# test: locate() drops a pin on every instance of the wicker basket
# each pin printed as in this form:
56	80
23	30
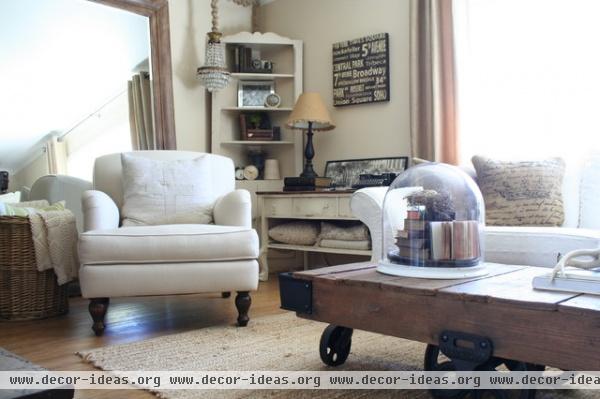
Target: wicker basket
25	293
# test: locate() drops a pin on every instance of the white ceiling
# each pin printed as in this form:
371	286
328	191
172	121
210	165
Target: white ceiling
60	60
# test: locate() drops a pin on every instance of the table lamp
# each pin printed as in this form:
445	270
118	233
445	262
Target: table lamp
310	114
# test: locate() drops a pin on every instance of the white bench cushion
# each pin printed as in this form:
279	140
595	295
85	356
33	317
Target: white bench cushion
168	243
590	194
535	246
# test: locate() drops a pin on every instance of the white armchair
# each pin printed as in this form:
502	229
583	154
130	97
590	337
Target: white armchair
56	188
166	259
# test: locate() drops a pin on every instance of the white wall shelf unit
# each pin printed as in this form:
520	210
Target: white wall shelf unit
226	138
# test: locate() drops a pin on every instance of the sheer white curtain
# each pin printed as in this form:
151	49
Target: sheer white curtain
529	77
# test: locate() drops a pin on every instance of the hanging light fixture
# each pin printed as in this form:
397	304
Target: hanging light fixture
214	74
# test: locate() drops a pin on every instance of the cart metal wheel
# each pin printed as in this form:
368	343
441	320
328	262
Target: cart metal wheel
490	394
432	363
335	344
515	365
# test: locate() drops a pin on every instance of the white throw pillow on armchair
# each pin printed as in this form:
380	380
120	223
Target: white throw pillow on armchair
166	192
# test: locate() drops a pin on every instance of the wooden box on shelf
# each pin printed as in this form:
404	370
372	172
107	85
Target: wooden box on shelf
256	126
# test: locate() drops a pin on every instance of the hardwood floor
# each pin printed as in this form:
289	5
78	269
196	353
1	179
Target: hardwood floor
52	343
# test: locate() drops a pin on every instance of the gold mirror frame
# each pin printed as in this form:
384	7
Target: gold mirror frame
157	12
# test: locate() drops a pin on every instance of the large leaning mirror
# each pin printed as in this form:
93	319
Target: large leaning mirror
157	12
82	78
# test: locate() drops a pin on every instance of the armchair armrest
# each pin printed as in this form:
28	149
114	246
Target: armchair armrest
99	211
367	205
234	209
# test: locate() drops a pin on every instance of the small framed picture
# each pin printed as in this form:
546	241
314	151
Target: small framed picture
253	93
346	172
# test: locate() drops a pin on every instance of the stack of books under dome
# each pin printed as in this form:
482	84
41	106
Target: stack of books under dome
306	183
431	235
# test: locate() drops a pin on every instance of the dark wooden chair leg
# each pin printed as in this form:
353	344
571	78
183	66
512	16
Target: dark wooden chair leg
242	303
225	294
98	308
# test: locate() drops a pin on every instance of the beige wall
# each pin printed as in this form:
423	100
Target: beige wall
190	20
362	131
29	173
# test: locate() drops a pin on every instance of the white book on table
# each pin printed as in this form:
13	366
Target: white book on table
574	280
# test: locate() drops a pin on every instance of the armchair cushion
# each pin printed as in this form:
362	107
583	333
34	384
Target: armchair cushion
159	192
167	244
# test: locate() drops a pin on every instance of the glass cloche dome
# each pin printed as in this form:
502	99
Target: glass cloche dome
433	220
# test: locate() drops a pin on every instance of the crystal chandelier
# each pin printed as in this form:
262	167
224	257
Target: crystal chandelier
214	74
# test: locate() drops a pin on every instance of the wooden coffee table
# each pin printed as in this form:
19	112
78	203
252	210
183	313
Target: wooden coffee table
501	315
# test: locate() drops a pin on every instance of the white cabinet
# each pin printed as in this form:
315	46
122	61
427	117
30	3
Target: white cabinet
277	207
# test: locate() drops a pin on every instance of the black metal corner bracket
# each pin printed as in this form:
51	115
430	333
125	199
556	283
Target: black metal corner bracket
295	293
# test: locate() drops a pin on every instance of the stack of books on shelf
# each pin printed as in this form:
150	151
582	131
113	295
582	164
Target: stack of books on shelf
424	240
306	183
247	60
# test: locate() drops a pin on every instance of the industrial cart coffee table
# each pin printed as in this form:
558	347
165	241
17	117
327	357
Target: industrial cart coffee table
500	316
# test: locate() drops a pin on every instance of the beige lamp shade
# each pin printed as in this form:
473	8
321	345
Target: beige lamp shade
310	108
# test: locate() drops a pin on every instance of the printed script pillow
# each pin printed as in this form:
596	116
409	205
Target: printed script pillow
527	193
166	192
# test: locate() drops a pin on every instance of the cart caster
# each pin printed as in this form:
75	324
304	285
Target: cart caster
514	365
491	394
335	344
432	363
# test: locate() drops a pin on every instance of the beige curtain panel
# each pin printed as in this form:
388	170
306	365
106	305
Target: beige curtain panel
140	112
434	124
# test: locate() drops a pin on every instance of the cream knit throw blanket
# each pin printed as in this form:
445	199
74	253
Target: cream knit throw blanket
55	241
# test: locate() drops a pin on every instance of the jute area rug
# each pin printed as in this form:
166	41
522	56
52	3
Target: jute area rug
280	342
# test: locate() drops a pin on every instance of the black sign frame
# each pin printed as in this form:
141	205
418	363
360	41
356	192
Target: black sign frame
361	70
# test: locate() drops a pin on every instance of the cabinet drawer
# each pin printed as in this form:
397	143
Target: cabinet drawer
278	207
344	210
315	207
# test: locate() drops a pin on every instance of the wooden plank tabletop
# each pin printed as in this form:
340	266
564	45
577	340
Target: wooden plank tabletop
370	276
553	328
582	304
508	284
511	288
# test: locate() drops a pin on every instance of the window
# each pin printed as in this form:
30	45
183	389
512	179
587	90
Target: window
529	80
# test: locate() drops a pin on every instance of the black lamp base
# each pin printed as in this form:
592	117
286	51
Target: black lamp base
308	171
309	154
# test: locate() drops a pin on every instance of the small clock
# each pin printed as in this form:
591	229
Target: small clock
239	173
256	64
251	172
273	100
